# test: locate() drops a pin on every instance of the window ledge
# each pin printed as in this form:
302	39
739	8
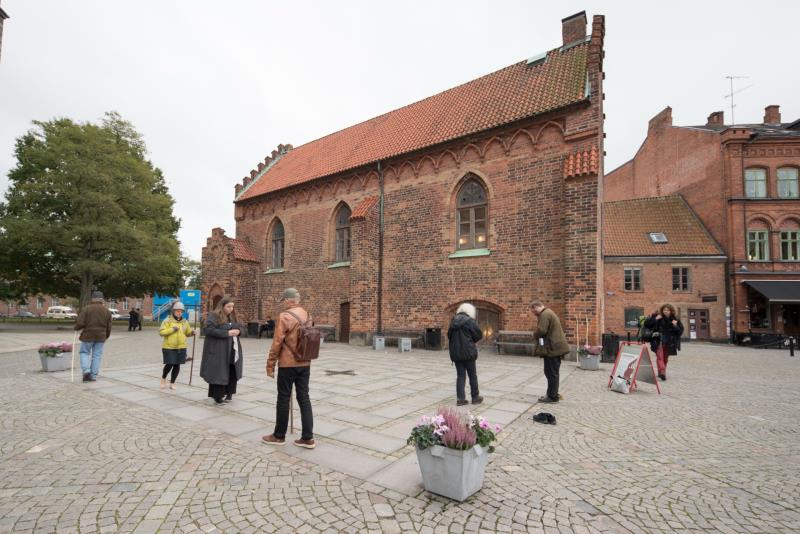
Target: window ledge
274	271
339	264
470	253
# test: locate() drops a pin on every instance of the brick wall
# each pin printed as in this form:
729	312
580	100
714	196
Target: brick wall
706	279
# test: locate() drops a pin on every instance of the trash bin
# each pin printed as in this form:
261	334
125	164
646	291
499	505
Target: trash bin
378	342
252	329
610	348
433	338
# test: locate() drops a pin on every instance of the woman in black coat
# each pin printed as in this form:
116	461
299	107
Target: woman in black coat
462	335
667	330
222	360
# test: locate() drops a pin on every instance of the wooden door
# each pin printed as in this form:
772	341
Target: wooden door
344	322
698	324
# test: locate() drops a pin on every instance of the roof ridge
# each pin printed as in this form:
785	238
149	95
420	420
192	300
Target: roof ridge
641	199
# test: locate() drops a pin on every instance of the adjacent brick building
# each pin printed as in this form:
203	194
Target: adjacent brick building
742	181
487	192
38	304
657	251
3	17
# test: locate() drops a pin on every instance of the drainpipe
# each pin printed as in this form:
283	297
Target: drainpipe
380	252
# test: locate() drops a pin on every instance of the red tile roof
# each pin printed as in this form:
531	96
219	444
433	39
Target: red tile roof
627	225
242	251
516	92
581	163
362	210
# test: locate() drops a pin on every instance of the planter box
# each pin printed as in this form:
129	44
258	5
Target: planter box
590	362
452	473
55	363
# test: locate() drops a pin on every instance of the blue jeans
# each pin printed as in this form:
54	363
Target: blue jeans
95	349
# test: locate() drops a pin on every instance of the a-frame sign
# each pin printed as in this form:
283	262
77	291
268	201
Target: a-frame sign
634	365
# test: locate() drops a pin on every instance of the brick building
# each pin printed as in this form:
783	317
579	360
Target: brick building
38	304
3	17
742	181
487	192
657	251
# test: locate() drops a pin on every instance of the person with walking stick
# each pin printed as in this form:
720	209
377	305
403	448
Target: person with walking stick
174	329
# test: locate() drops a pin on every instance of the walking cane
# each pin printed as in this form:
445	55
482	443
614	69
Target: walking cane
191	360
291	413
72	363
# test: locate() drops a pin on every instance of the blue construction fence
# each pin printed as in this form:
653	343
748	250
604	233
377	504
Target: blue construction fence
191	299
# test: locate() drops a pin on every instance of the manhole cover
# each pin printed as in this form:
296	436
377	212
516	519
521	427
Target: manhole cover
348	372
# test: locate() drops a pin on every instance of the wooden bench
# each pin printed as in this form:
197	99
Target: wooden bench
392	338
515	339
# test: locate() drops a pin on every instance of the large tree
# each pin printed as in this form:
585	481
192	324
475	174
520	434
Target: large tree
87	210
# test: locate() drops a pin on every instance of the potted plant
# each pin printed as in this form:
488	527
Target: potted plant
589	357
453	449
52	356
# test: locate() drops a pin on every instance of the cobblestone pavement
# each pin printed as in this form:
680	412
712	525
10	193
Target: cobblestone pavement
718	451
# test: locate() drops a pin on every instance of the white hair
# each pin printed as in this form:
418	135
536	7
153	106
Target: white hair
467	308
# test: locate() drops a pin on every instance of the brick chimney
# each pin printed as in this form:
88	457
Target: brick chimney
772	114
573	28
718	117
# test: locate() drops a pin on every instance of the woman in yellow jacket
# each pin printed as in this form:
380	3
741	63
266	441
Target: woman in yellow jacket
174	329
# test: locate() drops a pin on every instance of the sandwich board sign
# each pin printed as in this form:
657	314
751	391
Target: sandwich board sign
634	365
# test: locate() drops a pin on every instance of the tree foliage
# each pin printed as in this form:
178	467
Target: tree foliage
86	210
192	273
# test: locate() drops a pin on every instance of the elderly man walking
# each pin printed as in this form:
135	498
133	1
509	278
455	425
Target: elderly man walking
291	372
94	322
551	345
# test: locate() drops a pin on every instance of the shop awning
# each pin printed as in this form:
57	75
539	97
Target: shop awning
777	290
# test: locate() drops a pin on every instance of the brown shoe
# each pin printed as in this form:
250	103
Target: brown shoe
272	440
305	443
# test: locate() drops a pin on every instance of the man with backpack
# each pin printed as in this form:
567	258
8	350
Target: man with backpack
294	344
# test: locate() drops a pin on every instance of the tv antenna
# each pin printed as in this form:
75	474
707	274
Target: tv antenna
730	95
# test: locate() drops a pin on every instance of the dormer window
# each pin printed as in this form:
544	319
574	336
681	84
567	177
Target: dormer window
658	237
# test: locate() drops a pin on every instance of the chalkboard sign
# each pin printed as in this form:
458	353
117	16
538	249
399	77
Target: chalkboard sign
634	365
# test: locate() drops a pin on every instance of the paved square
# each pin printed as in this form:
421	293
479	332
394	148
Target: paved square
718	451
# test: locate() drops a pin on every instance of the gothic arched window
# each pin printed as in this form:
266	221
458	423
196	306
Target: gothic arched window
343	234
472	215
277	239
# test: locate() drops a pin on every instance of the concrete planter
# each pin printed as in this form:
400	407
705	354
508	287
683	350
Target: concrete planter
590	362
55	363
452	473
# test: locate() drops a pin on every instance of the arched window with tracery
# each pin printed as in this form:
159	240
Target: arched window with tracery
278	245
472	215
343	233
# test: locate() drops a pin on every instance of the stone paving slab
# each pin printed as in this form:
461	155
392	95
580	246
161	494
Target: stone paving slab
370	440
402	476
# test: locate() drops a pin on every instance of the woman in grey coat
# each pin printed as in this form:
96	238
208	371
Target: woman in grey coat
222	361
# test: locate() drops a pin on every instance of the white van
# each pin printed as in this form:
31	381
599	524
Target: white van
61	312
114	314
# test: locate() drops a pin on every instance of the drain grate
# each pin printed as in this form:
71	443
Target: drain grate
348	372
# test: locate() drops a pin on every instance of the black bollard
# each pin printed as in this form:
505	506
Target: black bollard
791	346
629	337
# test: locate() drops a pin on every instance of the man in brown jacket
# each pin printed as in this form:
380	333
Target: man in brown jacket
94	322
290	372
551	344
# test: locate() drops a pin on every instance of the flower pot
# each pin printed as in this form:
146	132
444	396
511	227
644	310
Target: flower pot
590	362
55	363
452	473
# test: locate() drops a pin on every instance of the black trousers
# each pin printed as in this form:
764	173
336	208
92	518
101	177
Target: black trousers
464	368
551	368
299	377
176	368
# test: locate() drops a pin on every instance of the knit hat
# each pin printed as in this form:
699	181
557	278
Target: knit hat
178	305
97	295
290	293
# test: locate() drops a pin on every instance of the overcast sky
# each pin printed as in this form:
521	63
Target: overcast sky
216	86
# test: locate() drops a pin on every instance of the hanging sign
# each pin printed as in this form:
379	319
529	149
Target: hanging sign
633	365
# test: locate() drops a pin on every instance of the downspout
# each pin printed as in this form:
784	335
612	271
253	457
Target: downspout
380	252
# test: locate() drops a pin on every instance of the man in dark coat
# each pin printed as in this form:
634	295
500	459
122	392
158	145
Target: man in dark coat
94	322
551	345
133	319
462	335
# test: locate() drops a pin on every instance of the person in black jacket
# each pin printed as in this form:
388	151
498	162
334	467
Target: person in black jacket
462	335
222	361
667	330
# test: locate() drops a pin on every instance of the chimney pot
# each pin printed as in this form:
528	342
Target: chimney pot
717	117
772	114
573	28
